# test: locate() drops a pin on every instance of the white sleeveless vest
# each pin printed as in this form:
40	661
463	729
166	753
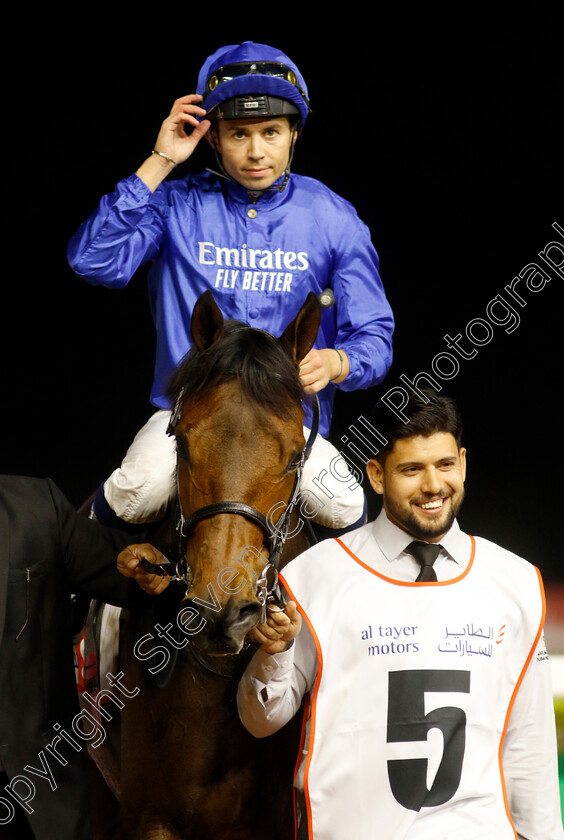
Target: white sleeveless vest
414	689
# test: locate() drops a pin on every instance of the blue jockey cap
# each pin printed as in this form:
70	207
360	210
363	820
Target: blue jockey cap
252	70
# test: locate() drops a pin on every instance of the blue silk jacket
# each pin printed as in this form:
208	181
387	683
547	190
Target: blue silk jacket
260	261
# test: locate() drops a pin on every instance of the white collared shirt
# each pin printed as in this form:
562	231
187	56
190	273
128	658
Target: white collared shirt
385	547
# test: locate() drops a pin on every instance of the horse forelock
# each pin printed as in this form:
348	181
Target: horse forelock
256	359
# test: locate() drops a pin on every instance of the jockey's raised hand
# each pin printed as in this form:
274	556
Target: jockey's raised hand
173	144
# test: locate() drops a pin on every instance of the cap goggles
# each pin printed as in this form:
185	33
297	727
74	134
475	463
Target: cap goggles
248	68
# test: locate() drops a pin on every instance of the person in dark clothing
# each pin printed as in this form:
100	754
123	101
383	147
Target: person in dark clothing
47	552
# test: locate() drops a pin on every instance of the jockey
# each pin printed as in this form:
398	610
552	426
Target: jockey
260	237
259	90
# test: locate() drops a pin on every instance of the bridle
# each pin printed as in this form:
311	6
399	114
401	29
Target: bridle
275	534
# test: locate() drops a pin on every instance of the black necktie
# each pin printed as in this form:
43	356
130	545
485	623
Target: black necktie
425	554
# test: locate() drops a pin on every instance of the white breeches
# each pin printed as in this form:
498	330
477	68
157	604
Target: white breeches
141	489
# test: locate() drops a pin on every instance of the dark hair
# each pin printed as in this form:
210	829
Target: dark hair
426	415
255	358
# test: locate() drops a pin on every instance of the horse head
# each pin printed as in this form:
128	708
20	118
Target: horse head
238	425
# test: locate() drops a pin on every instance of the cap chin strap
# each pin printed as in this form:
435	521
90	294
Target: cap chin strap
255	195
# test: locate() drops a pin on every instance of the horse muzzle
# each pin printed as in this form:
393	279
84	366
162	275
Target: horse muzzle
222	631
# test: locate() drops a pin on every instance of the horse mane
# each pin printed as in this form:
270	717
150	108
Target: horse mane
267	375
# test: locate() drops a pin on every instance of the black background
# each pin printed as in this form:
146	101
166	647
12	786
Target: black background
444	131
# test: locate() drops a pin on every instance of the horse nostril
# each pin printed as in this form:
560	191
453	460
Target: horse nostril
241	617
249	609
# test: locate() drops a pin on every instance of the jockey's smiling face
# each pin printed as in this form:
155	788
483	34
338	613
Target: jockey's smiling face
255	152
422	484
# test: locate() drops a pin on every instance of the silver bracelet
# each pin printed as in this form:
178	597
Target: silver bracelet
340	355
166	157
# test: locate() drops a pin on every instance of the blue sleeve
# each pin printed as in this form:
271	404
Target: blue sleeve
123	233
365	322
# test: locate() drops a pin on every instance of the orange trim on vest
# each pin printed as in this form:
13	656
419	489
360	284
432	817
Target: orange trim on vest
314	693
514	695
413	583
313	706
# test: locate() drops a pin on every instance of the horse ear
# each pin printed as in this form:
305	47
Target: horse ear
298	337
206	326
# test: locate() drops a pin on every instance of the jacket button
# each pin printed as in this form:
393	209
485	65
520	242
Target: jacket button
252	213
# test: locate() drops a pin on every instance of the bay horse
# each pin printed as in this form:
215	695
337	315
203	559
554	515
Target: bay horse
188	770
